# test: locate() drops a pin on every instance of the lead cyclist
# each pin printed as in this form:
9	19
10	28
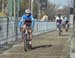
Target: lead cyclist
26	17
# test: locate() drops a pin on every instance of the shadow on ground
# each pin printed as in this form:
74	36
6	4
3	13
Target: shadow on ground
42	46
65	35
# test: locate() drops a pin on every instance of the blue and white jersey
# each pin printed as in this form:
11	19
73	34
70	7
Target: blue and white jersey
66	19
24	18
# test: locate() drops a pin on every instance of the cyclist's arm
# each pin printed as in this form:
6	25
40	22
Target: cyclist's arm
56	21
21	22
33	21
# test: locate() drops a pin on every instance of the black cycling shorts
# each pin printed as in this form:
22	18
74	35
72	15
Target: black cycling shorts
67	22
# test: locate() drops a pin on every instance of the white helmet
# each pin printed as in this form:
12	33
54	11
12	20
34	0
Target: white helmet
27	11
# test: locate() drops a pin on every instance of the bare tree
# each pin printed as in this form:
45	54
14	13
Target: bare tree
70	3
52	10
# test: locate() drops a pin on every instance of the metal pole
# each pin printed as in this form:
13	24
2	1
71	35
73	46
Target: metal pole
18	9
72	36
7	24
7	29
32	6
39	13
10	6
14	8
74	19
15	19
2	6
39	10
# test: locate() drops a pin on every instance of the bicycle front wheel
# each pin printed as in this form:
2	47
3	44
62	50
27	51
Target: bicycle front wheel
25	46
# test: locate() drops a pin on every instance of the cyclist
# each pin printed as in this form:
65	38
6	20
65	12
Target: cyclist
59	22
66	21
22	25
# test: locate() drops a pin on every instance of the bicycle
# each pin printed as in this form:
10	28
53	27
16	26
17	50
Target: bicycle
67	27
59	26
26	38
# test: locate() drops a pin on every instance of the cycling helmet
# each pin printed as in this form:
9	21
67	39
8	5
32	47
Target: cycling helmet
27	11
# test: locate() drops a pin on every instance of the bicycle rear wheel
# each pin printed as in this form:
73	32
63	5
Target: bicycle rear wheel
67	27
28	41
25	43
59	32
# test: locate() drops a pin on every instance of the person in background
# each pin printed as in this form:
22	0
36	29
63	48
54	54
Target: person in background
59	20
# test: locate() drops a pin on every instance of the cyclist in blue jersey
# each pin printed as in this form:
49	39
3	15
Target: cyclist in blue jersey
27	17
66	23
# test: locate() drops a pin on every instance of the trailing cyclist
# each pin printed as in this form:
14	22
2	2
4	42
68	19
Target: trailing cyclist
27	17
59	24
66	23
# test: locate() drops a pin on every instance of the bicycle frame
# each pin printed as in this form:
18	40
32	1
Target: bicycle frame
59	27
67	27
27	38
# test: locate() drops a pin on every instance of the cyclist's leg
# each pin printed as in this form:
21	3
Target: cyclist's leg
21	30
23	34
67	27
61	27
64	24
57	26
30	31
